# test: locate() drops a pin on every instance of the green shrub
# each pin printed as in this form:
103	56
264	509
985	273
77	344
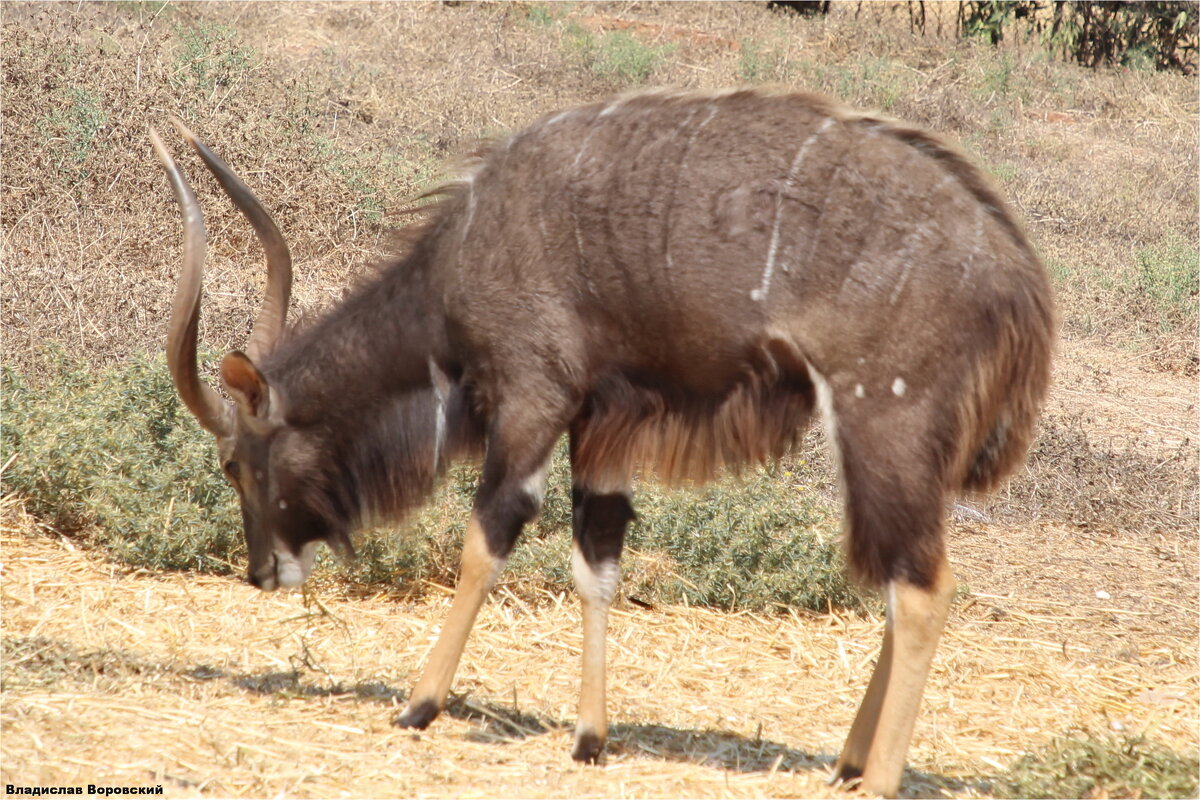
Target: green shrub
542	14
1160	35
376	179
752	543
1101	767
71	126
618	57
757	64
869	81
116	453
757	543
1169	277
212	56
115	456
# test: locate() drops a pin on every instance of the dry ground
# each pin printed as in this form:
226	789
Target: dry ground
1079	609
207	687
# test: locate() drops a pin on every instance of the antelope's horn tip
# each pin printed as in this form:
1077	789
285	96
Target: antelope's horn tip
183	129
164	155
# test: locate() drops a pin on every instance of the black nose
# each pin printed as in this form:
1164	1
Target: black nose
264	577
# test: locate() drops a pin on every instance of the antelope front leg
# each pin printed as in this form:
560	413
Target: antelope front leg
878	742
478	573
508	497
600	521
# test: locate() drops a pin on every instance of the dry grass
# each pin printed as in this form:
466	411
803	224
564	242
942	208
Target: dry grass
1116	451
209	688
336	112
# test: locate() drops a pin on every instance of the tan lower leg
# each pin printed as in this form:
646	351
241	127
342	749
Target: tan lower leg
858	743
916	617
478	574
593	715
596	587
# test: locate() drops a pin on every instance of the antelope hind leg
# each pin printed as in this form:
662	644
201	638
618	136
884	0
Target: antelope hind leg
878	742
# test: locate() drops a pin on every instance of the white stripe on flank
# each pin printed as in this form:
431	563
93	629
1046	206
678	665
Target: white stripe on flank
583	147
611	107
905	258
712	112
760	293
969	264
575	167
828	416
470	206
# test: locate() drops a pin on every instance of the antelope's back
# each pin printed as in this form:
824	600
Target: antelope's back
679	234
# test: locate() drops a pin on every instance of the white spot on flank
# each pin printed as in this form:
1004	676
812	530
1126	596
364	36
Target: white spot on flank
760	293
283	505
899	387
859	391
687	148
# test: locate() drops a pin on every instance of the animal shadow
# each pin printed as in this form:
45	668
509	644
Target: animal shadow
501	723
712	748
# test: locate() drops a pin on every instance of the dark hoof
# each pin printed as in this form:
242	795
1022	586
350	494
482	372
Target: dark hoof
417	716
846	775
589	749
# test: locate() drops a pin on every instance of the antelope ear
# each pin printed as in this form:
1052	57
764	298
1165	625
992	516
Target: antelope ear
245	384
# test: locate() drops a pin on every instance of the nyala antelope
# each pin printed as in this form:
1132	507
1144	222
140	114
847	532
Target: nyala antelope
676	281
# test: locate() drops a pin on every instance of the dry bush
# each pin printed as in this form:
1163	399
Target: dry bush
91	239
1101	163
1124	483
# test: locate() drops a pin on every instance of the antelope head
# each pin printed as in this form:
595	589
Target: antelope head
272	464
